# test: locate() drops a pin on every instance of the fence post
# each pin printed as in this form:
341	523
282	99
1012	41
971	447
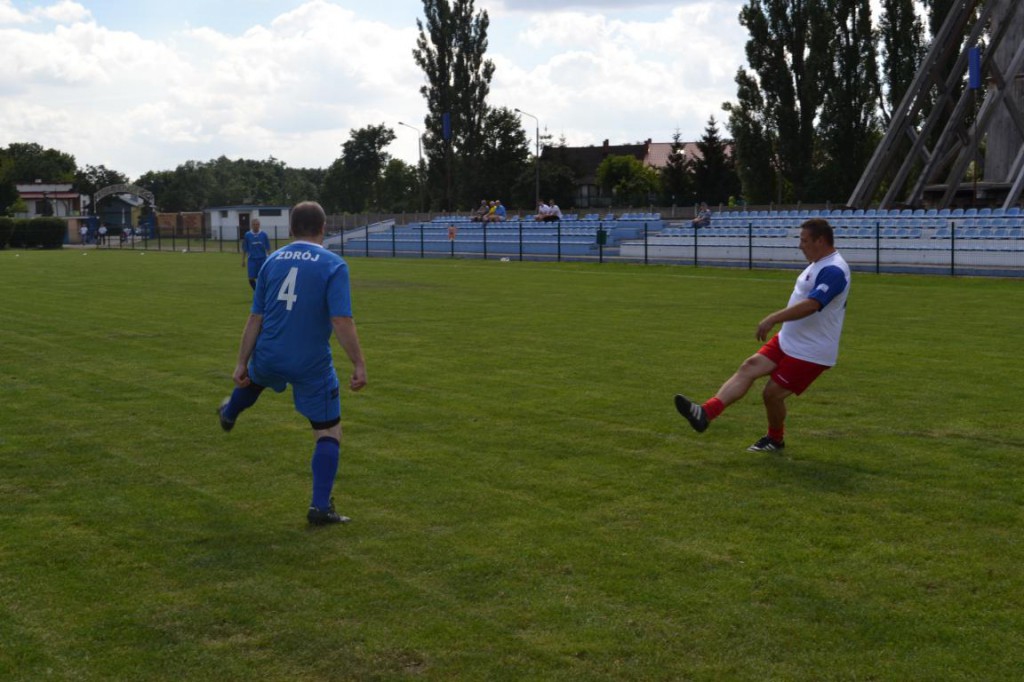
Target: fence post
484	225
878	246
421	241
559	241
952	249
394	253
750	245
695	231
520	240
366	236
645	243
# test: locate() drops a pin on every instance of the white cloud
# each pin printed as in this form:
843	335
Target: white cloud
64	12
294	86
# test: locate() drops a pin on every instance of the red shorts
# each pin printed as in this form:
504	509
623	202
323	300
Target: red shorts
790	373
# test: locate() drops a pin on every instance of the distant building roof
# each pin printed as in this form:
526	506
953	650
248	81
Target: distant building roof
658	153
46	190
584	160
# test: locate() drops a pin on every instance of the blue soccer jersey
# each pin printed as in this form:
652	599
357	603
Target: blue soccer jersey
299	289
256	245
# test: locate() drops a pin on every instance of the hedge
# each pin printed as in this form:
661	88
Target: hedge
6	230
47	233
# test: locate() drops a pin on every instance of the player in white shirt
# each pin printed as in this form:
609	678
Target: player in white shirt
806	345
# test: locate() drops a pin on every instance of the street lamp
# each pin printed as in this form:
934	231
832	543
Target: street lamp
419	168
536	157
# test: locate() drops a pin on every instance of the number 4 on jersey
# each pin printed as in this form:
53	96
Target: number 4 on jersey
287	291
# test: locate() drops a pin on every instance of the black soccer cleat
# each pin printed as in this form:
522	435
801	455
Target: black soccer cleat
224	423
325	517
693	412
767	444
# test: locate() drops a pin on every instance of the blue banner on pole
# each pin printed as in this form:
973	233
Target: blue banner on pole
446	125
974	68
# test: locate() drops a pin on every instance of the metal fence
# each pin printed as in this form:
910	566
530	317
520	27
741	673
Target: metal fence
951	250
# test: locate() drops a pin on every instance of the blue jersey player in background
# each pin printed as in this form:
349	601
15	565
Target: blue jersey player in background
301	299
255	246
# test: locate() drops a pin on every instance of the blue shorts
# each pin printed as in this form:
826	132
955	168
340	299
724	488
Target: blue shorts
318	400
254	265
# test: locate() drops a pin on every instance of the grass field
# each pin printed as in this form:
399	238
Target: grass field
527	503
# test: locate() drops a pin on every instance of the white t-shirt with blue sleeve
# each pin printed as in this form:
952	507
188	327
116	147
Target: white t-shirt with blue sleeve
815	338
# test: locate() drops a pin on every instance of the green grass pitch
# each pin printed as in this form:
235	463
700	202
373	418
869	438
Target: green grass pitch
527	504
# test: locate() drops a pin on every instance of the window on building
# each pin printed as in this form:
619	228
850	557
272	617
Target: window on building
270	212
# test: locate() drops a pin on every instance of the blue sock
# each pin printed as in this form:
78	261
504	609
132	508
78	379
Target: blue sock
325	467
241	399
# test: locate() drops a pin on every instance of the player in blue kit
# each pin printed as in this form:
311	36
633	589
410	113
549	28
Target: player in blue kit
806	345
301	298
255	246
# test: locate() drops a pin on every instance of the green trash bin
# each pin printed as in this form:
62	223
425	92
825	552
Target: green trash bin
602	237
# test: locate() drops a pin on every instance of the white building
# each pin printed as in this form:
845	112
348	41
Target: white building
49	199
230	222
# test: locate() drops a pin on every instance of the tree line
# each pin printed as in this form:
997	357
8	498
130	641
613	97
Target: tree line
822	81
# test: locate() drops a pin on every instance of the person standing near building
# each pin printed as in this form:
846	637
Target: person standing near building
806	345
302	297
255	247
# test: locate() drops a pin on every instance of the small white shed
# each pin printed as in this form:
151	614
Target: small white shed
230	222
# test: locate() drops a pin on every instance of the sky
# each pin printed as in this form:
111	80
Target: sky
148	85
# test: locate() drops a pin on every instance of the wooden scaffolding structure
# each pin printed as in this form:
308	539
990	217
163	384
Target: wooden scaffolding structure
942	126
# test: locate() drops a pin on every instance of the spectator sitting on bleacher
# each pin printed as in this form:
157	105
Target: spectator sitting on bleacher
703	218
554	213
481	211
497	214
543	212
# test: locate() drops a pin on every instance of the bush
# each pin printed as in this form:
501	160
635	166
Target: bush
47	233
6	230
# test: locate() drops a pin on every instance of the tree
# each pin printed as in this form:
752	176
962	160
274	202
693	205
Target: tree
753	148
351	182
937	11
504	155
901	36
677	175
848	127
399	188
789	53
627	179
91	179
22	162
714	175
450	49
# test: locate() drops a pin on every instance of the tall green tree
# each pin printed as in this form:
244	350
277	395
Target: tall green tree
848	127
714	174
399	188
937	11
789	53
504	156
677	175
753	146
351	183
451	50
901	37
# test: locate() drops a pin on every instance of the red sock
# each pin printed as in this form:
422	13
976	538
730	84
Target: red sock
713	408
776	434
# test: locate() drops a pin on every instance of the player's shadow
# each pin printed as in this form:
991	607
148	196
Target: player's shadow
818	475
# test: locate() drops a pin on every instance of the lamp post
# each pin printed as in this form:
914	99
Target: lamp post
536	156
419	168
